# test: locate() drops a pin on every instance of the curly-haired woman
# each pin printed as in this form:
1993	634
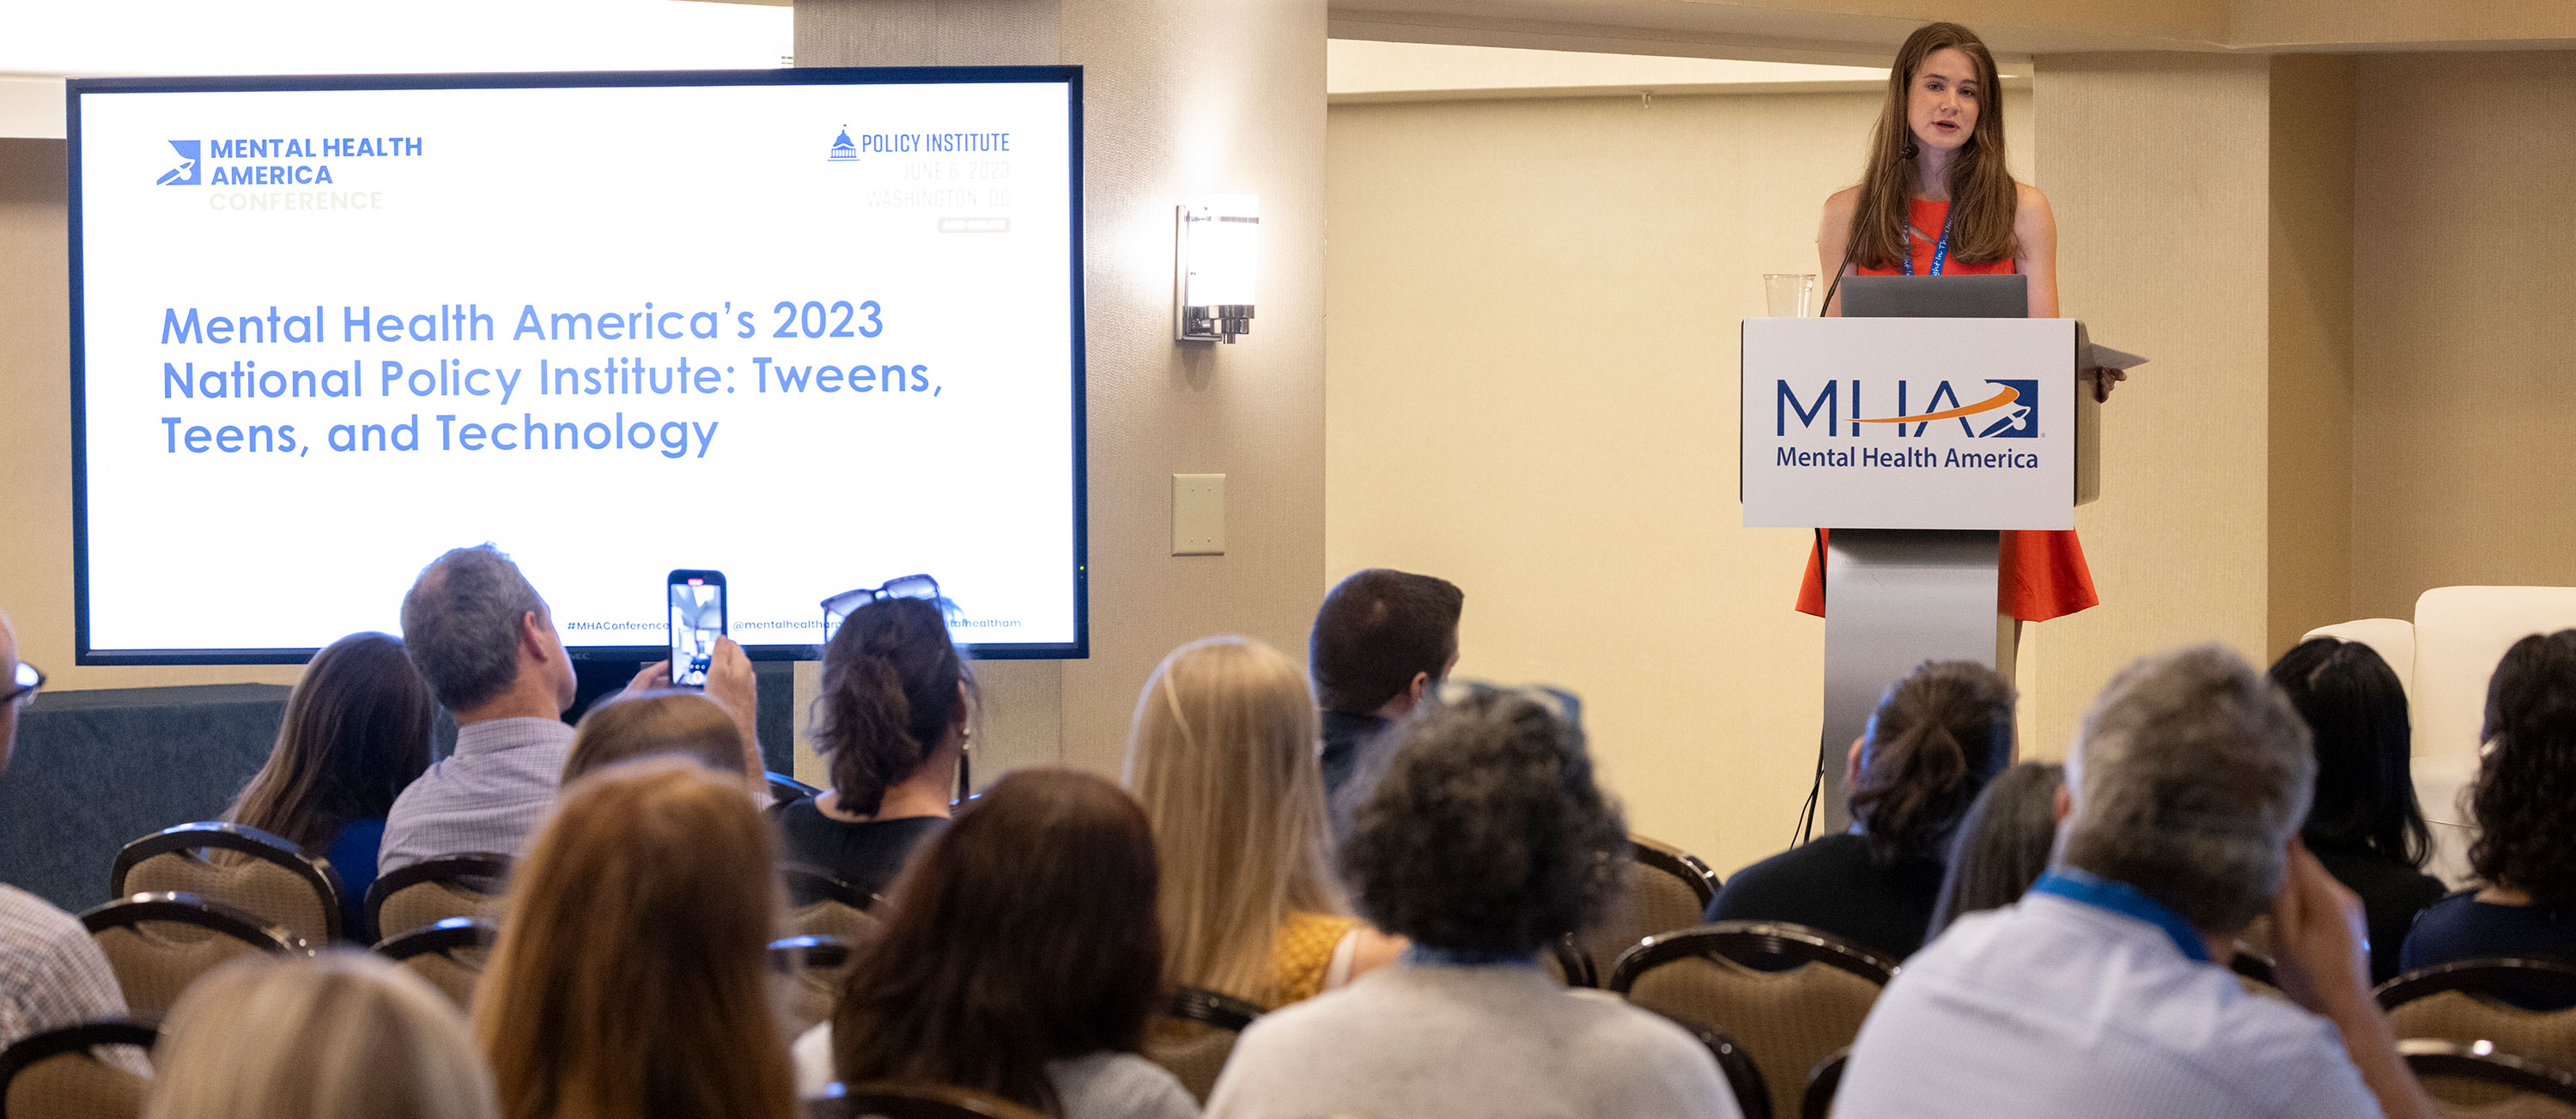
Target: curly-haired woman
2525	853
1484	841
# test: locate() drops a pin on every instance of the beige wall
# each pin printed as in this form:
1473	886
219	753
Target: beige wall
1531	390
2309	501
2463	406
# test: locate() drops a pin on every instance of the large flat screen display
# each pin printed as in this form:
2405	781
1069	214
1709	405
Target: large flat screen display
815	329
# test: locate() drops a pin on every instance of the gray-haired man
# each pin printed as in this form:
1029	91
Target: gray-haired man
2104	992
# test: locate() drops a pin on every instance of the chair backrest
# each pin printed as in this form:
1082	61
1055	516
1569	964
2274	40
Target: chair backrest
2460	634
1790	995
1194	1035
260	874
1743	1077
450	954
2460	1002
1566	960
819	904
1668	889
159	943
888	1100
1822	1083
783	788
58	1074
433	890
2474	1081
810	971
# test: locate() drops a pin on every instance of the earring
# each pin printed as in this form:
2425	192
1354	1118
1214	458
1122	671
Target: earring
1910	151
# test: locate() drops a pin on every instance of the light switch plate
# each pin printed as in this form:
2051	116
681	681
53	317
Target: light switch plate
1198	514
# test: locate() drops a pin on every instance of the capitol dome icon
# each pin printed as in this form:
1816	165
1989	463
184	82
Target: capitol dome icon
842	148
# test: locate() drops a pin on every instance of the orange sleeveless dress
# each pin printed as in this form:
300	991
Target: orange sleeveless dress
2039	575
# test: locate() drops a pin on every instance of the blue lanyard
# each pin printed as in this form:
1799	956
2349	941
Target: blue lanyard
2124	899
1940	248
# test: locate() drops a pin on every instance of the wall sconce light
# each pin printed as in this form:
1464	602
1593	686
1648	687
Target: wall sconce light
1219	247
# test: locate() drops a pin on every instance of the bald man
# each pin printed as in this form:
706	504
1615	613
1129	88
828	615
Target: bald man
51	973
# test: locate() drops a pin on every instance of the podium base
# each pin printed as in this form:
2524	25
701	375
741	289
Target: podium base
1895	598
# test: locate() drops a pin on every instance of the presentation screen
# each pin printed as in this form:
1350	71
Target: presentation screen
814	329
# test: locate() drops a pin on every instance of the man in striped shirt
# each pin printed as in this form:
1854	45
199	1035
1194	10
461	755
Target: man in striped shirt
51	973
2105	992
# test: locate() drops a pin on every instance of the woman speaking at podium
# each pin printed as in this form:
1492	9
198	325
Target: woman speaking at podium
1937	200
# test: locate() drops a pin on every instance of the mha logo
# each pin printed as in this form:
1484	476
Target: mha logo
2012	412
191	169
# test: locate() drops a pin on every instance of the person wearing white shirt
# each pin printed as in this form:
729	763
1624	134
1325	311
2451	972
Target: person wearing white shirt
2104	992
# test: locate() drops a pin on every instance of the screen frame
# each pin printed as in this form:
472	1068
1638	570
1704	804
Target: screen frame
1068	76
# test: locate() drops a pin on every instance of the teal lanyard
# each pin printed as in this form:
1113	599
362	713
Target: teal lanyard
1940	248
2124	899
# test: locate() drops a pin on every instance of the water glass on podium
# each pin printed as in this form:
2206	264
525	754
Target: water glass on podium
1789	293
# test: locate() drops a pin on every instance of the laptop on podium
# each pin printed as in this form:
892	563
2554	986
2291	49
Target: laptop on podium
1936	297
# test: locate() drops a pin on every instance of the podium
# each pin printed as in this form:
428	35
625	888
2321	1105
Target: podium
1916	441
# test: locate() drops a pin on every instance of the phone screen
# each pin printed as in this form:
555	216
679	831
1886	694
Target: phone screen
697	620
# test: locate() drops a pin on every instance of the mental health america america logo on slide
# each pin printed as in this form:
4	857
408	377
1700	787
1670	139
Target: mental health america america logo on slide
191	169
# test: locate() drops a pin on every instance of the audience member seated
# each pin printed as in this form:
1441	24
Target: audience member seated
345	1035
2003	843
1022	959
629	980
1937	738
1381	640
891	722
356	733
2365	826
2524	801
51	973
2104	992
1485	841
487	645
644	724
1222	755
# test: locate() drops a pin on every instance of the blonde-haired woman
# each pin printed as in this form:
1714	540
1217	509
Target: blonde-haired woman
653	723
1222	755
628	980
344	1035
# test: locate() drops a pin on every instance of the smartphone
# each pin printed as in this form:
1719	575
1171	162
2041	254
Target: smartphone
697	620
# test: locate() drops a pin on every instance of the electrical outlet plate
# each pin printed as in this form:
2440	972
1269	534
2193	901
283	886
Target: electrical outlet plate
1198	514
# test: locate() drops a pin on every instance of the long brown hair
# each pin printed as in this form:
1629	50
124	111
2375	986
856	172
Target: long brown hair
890	690
356	731
1222	755
1983	199
629	979
1024	933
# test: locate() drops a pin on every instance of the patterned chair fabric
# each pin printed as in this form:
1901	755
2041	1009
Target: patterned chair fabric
433	890
822	905
2456	1002
1195	1034
1668	889
242	867
159	943
1789	1019
2474	1081
66	1073
810	971
450	954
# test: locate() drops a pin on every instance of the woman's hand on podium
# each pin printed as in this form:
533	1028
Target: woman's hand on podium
2104	379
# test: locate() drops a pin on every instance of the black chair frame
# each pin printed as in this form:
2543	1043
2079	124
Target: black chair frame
53	1043
1680	864
1210	1008
1577	966
797	953
2480	1062
783	788
1752	1094
907	1101
807	884
463	870
445	936
1746	942
218	835
2253	966
193	909
2480	978
1822	1083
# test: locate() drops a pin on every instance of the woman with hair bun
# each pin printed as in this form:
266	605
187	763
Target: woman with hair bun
2525	852
1938	737
891	722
